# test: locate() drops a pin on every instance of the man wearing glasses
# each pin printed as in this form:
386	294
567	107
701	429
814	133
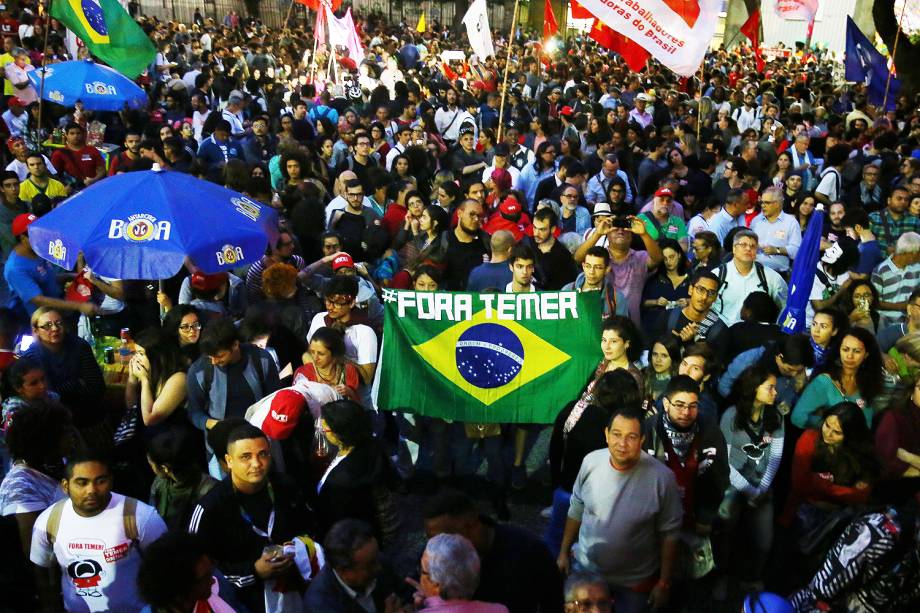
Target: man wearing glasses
779	234
743	275
693	447
587	593
360	340
697	321
360	160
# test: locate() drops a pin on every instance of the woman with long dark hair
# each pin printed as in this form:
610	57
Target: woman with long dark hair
176	457
897	443
182	328
833	466
852	372
356	483
156	380
668	288
754	433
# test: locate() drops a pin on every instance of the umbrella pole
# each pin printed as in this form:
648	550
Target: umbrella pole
160	290
41	93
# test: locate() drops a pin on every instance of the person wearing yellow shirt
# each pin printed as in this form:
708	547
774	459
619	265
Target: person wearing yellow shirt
40	182
5	58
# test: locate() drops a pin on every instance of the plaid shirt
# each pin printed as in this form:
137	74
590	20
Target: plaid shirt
887	229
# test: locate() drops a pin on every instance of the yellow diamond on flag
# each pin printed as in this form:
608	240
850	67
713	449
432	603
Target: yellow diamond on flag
489	358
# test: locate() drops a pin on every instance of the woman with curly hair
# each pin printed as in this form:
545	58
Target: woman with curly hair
852	372
860	303
39	437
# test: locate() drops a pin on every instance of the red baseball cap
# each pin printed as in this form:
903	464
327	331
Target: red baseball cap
567	110
343	260
664	192
22	222
510	207
207	283
284	413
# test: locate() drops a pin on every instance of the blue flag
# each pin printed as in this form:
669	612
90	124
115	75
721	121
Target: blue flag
792	318
864	63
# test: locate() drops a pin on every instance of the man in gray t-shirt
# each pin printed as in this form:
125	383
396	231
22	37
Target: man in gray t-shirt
624	518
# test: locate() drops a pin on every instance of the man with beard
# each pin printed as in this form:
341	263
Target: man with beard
693	448
127	159
467	246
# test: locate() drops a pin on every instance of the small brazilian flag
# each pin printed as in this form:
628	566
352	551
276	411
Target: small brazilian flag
109	33
486	358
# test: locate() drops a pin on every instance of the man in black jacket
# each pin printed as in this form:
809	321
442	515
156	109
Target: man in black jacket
516	567
693	448
247	511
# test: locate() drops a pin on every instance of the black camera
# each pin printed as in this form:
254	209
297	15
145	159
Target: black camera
621	221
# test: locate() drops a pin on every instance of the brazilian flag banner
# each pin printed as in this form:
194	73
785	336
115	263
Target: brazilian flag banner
486	358
109	33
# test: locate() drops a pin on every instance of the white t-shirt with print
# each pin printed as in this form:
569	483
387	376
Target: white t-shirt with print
360	340
98	563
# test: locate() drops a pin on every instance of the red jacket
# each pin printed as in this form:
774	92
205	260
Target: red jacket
809	486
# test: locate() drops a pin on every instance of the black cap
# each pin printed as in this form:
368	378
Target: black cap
501	149
467	128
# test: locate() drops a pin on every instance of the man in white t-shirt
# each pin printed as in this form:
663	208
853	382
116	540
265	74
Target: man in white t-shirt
360	339
93	540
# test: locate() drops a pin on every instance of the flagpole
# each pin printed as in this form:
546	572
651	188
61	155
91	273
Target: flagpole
501	107
41	89
288	18
699	106
894	49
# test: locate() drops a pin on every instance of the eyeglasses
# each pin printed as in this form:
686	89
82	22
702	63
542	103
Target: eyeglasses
189	327
51	324
569	195
587	605
706	292
682	406
341	302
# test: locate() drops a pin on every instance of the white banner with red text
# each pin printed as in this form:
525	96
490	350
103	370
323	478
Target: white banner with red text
676	32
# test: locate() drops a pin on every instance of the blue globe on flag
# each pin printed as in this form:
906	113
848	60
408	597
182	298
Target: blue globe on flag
95	16
489	355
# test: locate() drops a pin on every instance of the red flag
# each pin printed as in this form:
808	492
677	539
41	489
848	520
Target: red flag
634	55
580	12
689	11
751	29
314	4
550	26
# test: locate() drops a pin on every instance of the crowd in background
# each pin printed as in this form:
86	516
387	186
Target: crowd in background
710	458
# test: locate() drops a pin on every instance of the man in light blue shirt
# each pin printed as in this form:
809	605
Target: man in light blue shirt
596	190
779	234
730	215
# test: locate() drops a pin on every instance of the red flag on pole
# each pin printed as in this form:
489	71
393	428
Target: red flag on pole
751	29
580	12
314	4
634	55
550	26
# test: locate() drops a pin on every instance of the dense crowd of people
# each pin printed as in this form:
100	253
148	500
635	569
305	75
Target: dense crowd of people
710	457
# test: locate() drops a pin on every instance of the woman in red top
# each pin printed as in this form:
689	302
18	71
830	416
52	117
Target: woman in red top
329	366
832	467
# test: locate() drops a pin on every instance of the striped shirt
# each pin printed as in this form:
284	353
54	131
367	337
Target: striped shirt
894	284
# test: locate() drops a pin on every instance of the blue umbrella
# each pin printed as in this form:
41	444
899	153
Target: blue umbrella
792	319
98	87
142	225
